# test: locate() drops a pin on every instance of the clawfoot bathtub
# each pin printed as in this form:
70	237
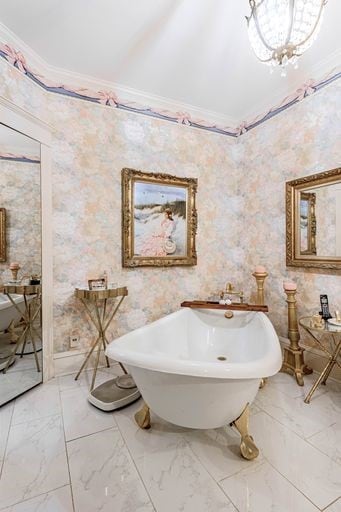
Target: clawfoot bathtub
198	369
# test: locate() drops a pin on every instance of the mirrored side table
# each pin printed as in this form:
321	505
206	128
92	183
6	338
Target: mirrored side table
32	306
333	334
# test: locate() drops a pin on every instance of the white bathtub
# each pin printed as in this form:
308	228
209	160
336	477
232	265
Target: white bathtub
8	313
175	366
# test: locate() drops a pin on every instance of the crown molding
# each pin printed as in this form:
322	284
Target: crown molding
129	94
73	85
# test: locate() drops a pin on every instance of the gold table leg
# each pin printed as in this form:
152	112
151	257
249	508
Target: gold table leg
29	315
325	373
248	448
101	320
142	417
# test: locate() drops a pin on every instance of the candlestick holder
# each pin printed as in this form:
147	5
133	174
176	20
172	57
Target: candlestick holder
293	358
14	268
260	278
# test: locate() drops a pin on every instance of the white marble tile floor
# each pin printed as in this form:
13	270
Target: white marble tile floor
60	454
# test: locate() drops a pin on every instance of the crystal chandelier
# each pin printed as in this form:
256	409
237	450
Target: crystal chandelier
282	30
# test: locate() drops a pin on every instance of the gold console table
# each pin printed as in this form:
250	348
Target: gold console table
95	303
333	333
32	303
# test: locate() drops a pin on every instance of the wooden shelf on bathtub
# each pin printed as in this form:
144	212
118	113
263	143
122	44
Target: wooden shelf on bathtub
201	304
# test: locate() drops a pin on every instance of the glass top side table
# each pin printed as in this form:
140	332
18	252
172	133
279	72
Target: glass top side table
333	333
32	307
101	315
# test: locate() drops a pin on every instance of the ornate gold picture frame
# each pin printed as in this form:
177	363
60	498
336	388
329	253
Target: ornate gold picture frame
308	222
2	234
159	219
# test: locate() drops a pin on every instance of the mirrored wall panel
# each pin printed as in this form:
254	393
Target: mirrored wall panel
20	264
320	214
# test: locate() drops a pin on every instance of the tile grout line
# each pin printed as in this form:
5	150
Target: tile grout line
330	504
8	433
299	490
320	431
323	453
34	497
65	447
137	470
214	480
291	429
114	428
295	487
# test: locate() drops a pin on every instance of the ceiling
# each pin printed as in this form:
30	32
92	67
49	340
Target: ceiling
194	52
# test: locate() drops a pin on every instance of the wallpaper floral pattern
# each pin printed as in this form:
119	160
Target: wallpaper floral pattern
20	195
240	202
91	146
301	141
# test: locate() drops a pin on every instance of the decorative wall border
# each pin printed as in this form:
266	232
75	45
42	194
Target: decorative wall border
9	157
110	98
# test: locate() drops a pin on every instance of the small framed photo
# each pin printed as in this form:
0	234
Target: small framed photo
159	219
96	284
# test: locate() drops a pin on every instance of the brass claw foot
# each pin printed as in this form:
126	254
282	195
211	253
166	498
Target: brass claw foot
262	382
248	448
142	417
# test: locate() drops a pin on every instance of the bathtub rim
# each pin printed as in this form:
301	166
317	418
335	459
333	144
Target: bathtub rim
265	366
6	304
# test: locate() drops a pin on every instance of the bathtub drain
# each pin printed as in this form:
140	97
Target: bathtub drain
221	358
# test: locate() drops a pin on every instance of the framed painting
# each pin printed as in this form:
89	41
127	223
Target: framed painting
2	234
159	219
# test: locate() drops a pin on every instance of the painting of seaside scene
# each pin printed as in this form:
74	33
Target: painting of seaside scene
160	227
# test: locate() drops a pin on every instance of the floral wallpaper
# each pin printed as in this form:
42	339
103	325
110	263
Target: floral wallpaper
240	202
20	195
302	141
91	146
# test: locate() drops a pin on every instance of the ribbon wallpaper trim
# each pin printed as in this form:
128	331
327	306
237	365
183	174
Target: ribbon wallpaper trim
110	98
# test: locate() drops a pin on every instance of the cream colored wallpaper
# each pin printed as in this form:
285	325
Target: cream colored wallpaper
302	141
91	146
240	201
20	195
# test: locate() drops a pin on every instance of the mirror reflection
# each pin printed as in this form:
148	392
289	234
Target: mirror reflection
20	264
320	221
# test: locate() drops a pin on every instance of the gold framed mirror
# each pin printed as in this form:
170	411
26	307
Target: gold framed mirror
313	221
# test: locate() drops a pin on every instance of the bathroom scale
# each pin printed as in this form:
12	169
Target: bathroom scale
114	393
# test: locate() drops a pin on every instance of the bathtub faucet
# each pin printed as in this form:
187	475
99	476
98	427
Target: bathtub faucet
229	290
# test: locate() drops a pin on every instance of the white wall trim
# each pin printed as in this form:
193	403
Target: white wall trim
24	122
69	362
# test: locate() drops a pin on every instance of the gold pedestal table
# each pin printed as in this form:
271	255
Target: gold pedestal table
333	334
32	306
120	391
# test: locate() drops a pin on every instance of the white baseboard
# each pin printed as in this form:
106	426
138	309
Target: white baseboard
66	363
315	358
